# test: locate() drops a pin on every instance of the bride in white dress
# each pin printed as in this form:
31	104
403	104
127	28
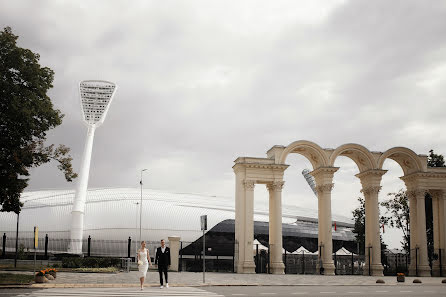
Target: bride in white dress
143	262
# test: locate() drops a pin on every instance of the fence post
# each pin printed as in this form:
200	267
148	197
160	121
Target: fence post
129	247
370	273
257	258
181	256
407	262
4	246
321	263
416	261
233	257
217	263
285	262
269	248
441	268
335	263
46	246
353	265
89	245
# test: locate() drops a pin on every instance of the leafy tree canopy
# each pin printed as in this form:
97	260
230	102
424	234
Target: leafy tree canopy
434	160
26	114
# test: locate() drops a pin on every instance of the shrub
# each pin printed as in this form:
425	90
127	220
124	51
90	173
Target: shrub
90	262
21	252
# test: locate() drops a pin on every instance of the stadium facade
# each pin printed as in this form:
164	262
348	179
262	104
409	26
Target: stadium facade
113	214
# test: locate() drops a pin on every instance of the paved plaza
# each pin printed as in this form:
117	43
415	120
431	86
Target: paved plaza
195	279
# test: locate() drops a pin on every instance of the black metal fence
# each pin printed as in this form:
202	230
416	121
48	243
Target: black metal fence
53	247
219	257
395	262
307	263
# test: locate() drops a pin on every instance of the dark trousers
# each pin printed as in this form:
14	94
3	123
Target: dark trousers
161	269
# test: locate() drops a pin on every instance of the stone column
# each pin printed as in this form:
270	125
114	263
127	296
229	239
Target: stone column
423	263
413	231
372	231
248	263
438	226
324	185
277	266
239	220
174	245
370	181
442	228
271	220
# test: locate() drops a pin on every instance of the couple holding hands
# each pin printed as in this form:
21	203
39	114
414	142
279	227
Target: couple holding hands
162	259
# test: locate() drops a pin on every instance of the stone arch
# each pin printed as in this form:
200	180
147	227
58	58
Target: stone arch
406	158
356	152
313	152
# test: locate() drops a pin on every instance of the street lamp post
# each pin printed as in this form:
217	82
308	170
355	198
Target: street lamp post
140	208
136	231
16	240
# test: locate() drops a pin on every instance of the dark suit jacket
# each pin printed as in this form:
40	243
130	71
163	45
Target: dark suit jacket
162	259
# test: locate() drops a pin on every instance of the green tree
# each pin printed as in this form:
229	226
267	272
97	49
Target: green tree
26	114
397	210
397	215
434	160
359	228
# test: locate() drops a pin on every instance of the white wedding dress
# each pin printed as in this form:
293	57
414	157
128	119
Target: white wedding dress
145	263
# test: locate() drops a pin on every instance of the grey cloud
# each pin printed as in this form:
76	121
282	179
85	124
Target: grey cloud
203	83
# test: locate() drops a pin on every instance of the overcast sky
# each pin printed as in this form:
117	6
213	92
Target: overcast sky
203	82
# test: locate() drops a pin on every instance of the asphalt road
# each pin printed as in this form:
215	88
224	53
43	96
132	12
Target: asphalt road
230	291
344	291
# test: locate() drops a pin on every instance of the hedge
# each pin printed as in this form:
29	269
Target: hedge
90	262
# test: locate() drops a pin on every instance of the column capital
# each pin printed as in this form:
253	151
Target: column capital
369	190
416	193
371	178
249	184
324	175
275	186
437	194
321	189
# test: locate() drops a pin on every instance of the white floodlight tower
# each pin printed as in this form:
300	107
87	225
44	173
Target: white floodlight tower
95	97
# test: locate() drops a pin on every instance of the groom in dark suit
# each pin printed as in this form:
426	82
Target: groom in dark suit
162	258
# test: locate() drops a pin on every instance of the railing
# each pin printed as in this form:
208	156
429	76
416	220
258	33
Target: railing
48	246
219	257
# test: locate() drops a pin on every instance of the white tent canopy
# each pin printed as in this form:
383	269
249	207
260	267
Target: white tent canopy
303	251
344	252
256	243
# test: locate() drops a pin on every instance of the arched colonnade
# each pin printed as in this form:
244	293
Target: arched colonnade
418	179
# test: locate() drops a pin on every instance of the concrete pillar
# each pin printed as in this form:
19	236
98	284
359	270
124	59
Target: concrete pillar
277	266
413	231
423	262
77	213
174	245
324	185
370	181
248	262
438	229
